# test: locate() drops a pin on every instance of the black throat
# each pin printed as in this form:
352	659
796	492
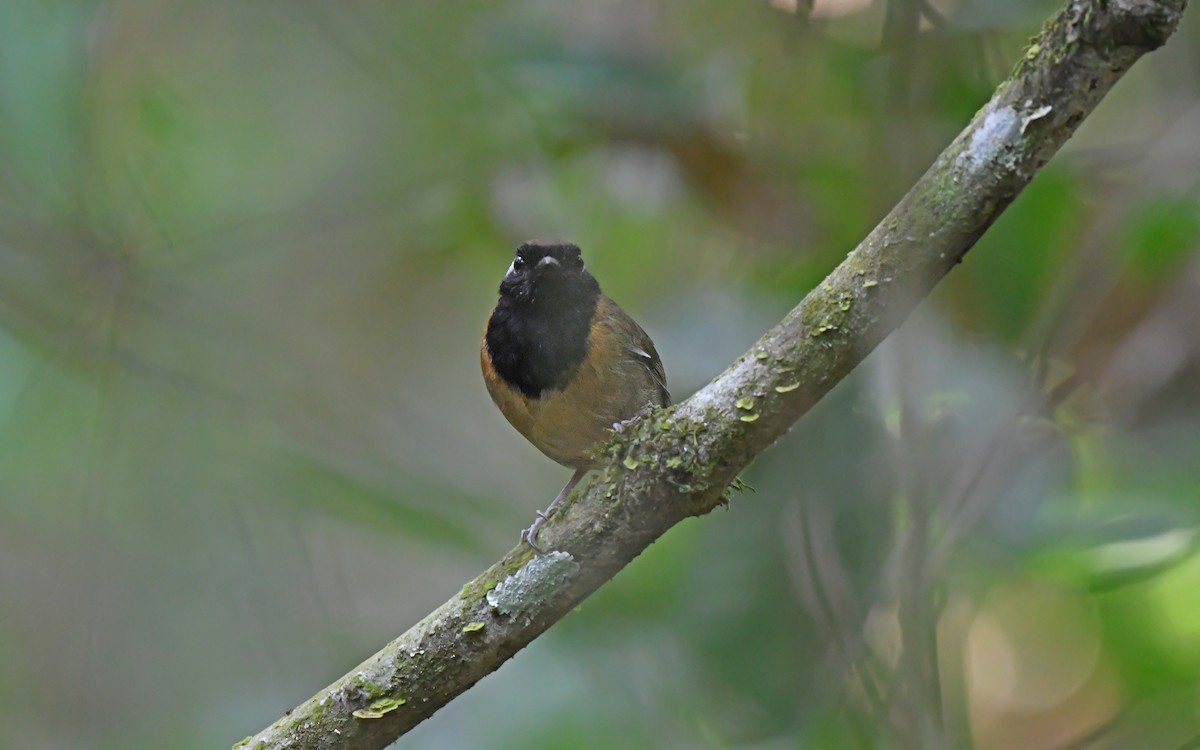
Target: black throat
537	343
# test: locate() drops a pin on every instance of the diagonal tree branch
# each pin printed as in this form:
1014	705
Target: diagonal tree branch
678	463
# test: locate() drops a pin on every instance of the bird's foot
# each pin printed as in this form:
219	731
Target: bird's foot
529	535
620	426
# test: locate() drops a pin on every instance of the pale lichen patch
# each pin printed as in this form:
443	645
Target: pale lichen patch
1000	129
531	587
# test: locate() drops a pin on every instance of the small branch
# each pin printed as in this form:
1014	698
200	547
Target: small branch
677	463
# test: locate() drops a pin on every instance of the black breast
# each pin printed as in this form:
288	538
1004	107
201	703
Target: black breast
537	348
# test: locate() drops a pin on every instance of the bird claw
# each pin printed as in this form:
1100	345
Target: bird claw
619	427
529	535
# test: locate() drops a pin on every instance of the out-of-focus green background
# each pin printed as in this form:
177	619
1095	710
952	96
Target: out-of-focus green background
246	253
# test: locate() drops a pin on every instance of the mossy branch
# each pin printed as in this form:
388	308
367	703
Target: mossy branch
679	462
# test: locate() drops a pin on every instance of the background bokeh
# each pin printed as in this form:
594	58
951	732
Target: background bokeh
246	253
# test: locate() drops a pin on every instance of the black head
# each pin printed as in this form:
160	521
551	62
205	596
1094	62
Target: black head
538	333
549	272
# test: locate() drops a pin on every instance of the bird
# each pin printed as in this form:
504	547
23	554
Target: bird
565	364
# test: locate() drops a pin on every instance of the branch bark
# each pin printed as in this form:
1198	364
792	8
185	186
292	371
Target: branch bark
679	462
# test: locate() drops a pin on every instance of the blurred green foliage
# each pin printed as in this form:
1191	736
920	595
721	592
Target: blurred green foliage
246	252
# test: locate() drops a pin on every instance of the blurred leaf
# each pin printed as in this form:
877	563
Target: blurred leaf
1116	552
339	495
1160	236
1013	14
1013	263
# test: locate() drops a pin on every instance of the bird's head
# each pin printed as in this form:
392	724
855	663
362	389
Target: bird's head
548	272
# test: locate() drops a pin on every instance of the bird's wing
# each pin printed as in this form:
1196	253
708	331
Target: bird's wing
638	344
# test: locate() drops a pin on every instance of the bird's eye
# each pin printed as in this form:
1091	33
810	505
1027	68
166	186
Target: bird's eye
518	264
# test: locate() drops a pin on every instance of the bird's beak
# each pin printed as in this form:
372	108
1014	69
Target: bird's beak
547	261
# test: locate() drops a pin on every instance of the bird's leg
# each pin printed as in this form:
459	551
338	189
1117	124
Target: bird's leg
530	535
